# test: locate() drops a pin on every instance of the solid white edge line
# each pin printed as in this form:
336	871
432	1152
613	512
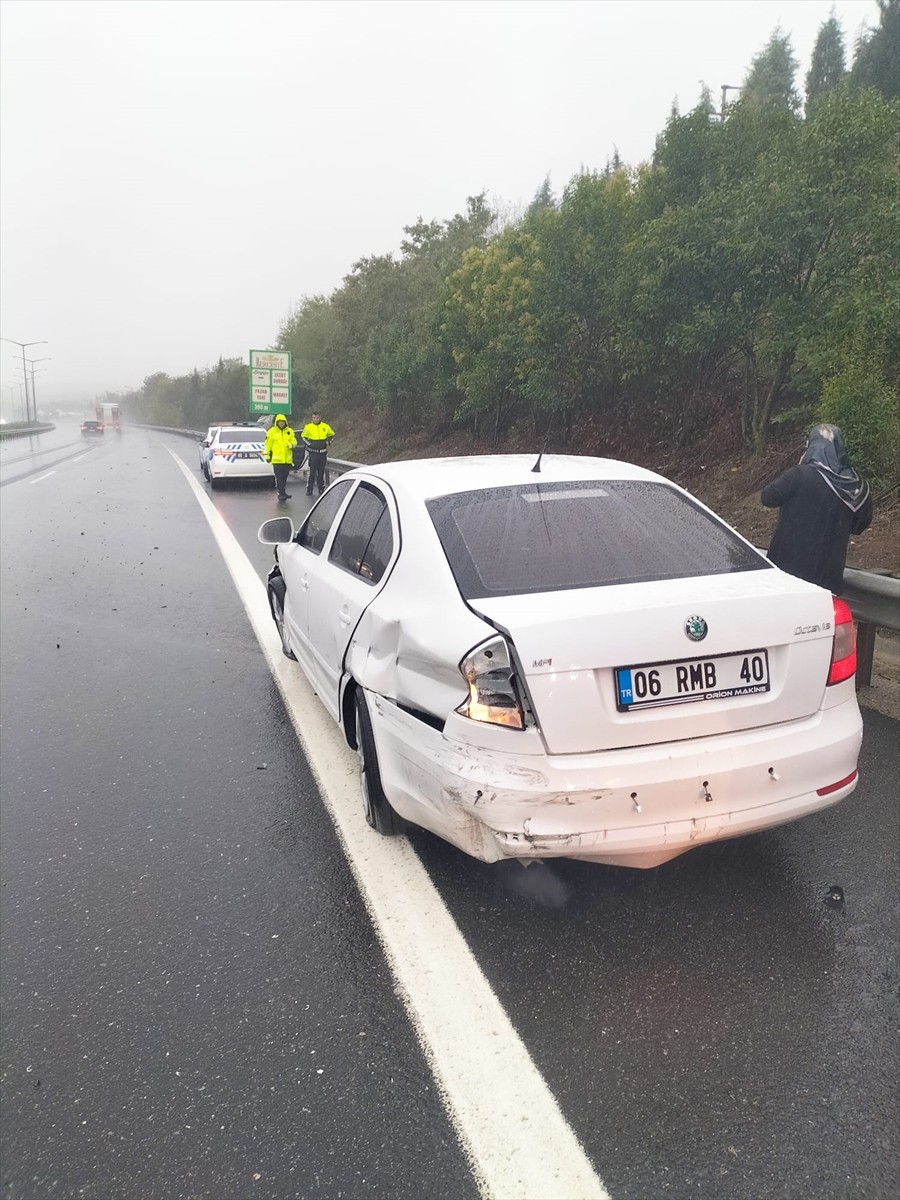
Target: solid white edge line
41	478
517	1142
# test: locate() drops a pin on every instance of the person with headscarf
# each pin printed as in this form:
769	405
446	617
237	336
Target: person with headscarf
822	501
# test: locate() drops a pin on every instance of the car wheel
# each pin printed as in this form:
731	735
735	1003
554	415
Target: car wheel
277	593
213	482
376	805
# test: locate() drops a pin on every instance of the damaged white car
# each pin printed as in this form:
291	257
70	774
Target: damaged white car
569	658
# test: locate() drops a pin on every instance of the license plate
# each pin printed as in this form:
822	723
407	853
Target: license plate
247	454
721	677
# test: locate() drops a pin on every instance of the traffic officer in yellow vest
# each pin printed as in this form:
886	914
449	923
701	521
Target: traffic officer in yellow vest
316	436
280	441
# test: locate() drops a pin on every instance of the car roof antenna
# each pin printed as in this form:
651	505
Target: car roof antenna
536	469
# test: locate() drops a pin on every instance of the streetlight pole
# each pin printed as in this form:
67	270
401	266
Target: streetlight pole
23	346
13	402
33	392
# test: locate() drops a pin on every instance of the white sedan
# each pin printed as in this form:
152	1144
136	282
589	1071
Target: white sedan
569	658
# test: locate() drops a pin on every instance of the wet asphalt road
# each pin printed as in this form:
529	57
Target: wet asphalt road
194	1002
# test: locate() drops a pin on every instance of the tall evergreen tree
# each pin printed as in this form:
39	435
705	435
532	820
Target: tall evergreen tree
543	198
613	164
877	62
828	65
770	79
705	103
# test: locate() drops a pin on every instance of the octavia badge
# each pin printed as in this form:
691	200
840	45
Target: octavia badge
696	628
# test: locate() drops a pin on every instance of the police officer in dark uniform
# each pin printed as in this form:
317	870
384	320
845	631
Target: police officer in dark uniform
317	435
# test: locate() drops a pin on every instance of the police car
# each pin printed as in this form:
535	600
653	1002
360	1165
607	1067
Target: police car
205	444
235	452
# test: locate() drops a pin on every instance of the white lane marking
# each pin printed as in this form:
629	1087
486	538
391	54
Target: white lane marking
518	1144
79	458
41	478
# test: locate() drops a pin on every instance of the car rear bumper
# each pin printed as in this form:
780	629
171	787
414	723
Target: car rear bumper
248	469
636	807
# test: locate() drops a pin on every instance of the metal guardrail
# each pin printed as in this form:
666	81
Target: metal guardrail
340	465
875	603
11	431
874	599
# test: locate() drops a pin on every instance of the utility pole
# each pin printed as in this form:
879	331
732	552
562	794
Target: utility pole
23	346
726	88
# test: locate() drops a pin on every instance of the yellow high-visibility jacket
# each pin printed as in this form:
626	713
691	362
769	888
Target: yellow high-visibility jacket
279	443
317	436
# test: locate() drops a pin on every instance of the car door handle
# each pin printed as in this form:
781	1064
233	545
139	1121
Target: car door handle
344	616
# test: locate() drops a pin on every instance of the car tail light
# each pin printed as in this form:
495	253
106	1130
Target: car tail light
834	787
843	649
217	453
493	689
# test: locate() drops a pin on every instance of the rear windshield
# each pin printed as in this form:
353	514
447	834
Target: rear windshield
230	436
553	536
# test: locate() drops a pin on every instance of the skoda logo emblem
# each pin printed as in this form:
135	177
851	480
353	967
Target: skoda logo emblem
696	628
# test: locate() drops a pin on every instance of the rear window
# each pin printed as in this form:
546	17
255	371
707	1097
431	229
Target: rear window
553	536
232	436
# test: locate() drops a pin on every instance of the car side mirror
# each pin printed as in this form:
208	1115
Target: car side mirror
276	532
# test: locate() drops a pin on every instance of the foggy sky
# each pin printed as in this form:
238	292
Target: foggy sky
175	177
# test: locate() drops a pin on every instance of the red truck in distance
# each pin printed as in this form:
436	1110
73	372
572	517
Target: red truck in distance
111	416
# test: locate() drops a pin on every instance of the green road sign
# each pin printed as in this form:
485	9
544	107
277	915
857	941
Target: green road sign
270	381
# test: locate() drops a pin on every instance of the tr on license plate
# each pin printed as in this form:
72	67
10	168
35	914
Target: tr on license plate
718	678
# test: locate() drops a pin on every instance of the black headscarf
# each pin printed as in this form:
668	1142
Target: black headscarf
825	450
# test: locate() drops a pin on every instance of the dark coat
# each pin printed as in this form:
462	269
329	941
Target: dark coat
814	526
